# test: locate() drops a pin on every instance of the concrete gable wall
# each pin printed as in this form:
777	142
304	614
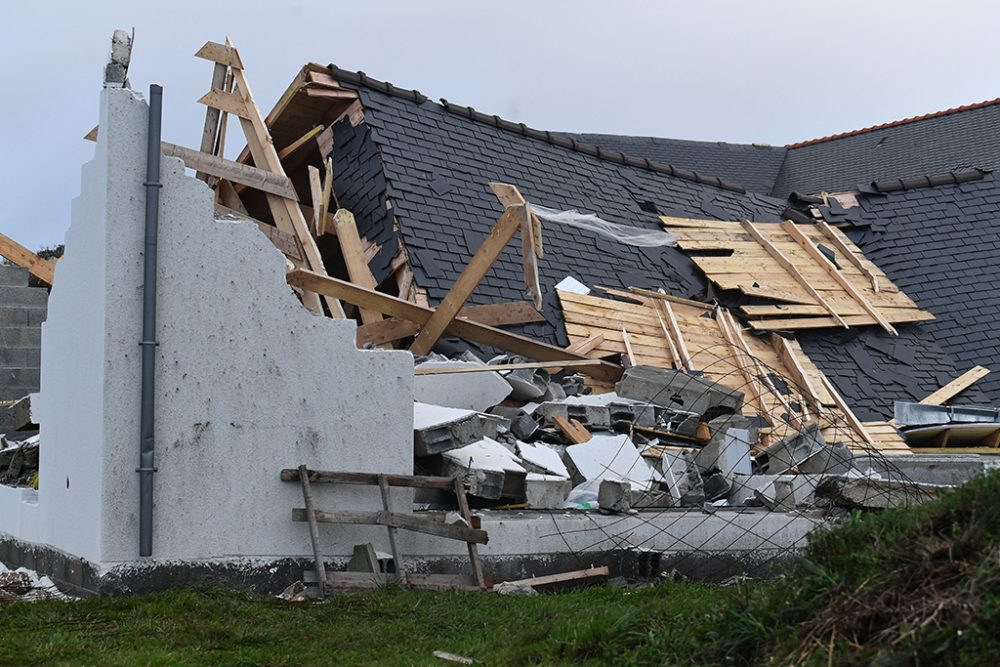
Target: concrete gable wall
248	380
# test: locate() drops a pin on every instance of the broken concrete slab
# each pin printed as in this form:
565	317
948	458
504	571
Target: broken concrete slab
546	491
471	391
527	383
677	390
614	495
728	452
438	428
608	456
835	459
492	471
21	417
544	459
857	491
790	451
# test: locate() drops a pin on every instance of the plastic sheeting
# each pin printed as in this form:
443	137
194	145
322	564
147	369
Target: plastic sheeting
634	236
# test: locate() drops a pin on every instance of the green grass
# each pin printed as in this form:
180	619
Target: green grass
918	586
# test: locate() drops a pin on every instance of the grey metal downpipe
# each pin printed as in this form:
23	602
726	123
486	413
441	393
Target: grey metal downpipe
148	341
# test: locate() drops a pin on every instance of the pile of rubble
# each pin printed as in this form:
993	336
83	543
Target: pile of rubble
529	438
24	585
19	461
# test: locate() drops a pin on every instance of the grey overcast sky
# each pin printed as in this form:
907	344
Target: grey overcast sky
742	71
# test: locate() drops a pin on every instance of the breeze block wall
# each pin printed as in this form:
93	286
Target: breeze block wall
22	311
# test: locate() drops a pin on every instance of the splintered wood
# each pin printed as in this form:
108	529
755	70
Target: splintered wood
816	274
778	380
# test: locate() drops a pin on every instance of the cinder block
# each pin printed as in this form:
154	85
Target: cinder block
20	337
13	276
13	358
35	316
20	377
677	390
13	317
32	297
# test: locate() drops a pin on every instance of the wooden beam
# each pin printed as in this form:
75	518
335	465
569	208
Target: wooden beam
849	415
495	314
353	252
500	368
787	265
42	269
316	192
797	372
220	53
956	386
479	333
505	229
564	577
369	479
223	101
405	521
286	211
300	142
839	241
580	347
676	335
261	179
744	363
574	431
811	248
627	342
210	132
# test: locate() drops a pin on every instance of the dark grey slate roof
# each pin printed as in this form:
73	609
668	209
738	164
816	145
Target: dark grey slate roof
433	163
941	245
753	166
932	144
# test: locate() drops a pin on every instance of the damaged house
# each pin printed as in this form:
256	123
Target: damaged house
624	354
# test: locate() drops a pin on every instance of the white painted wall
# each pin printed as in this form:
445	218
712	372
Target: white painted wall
248	380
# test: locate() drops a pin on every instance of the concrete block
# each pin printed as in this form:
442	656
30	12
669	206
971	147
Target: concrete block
23	297
869	493
528	384
13	276
610	457
20	337
21	417
543	459
728	452
678	390
614	495
546	491
437	429
492	471
594	417
471	391
835	459
674	465
36	316
19	378
13	316
790	451
13	357
723	422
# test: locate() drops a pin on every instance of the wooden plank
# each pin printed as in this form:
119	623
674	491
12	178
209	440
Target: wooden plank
629	354
574	431
313	531
823	322
300	142
353	252
316	192
840	243
235	172
792	230
496	314
743	364
790	268
210	132
796	372
564	577
500	368
287	214
220	53
494	244
956	386
580	347
397	560
42	269
369	479
409	522
676	335
479	333
463	507
223	101
672	221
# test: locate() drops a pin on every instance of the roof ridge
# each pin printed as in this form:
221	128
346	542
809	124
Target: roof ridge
895	123
361	79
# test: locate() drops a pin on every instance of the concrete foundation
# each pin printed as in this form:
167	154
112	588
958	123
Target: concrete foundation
247	382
